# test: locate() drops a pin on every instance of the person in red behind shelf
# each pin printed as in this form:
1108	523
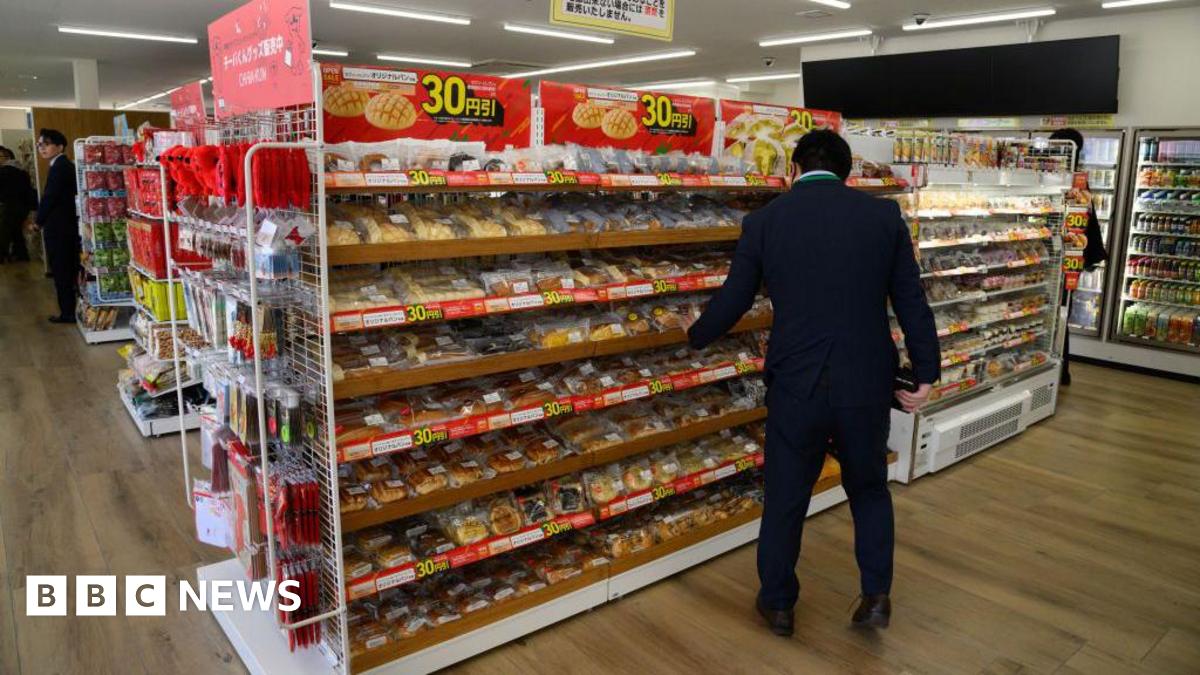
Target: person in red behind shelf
831	258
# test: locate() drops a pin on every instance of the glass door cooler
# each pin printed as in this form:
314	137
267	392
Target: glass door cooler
1160	286
1101	160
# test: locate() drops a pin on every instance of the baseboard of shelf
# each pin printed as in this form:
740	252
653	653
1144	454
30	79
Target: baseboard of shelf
255	636
159	426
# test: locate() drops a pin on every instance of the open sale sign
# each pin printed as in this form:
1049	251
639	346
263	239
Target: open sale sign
598	117
366	104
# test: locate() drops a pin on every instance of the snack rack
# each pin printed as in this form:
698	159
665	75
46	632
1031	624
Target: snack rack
306	355
105	299
990	248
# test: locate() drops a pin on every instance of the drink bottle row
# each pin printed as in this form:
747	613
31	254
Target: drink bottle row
1164	291
1164	246
1167	269
1164	324
1185	151
1157	223
1169	177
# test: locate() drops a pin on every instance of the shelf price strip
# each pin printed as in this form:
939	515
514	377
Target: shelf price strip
555	178
402	315
406	439
461	556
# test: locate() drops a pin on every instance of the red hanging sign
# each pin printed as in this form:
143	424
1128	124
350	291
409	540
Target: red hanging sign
765	135
599	117
261	55
187	107
379	104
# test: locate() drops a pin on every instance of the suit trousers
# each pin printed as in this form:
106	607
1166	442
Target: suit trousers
798	434
63	258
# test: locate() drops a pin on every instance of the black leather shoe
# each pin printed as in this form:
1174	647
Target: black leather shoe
781	621
874	611
62	319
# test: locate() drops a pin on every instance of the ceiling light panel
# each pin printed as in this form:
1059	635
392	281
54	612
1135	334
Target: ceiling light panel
1014	15
550	32
607	63
762	78
388	10
815	37
1118	4
330	52
78	30
689	84
839	4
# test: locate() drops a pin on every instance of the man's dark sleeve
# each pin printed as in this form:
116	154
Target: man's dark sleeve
1093	253
912	310
736	295
48	196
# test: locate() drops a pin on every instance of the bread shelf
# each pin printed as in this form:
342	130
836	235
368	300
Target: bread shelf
409	251
394	380
358	520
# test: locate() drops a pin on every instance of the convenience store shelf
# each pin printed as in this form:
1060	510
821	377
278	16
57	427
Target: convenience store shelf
362	519
422	181
157	426
93	337
1141	233
981	269
393	380
1168	187
361	254
1007	316
1188	282
975	241
1165	255
1128	298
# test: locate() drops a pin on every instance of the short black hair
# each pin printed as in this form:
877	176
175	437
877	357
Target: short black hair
5	152
1069	134
54	136
823	150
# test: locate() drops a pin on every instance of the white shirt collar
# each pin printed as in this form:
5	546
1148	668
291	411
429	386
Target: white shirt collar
818	172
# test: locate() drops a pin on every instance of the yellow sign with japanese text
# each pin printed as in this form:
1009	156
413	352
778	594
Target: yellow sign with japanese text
644	18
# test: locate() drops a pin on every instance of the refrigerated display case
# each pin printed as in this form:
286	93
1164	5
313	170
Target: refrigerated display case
1160	263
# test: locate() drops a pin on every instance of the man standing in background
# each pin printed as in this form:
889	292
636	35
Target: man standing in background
17	199
58	219
831	258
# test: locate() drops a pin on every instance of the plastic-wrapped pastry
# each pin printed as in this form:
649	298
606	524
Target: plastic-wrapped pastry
637	475
636	421
473	603
428	229
466	528
565	495
431	543
442	613
394	555
342	233
369	636
408	462
352	498
355	565
373	470
429	479
503	514
532	504
560	333
588	433
606	327
520	225
694	460
506	461
603	485
665	467
634	318
552	275
543	450
388	491
479	228
409	626
466	472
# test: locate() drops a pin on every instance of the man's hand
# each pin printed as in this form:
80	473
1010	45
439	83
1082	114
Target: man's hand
688	320
912	401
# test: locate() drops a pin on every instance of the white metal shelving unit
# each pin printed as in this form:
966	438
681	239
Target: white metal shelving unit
95	302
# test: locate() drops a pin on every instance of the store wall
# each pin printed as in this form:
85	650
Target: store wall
1159	83
13	119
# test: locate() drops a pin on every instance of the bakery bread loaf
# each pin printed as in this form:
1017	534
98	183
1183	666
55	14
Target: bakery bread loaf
390	110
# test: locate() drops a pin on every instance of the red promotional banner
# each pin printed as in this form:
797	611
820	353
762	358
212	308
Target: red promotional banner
598	117
187	106
261	54
765	135
367	104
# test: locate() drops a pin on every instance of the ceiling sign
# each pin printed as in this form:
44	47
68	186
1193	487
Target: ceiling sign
644	18
261	56
989	123
1091	121
187	106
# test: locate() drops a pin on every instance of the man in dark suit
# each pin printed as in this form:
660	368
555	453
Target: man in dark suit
831	257
17	199
57	217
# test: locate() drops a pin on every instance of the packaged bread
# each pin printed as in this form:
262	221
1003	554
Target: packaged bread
626	541
503	515
353	498
507	282
603	484
532	504
428	479
506	461
342	233
552	275
369	636
388	491
605	327
355	564
637	420
373	469
465	472
441	613
693	460
550	334
372	539
637	475
634	318
542	450
665	467
565	495
393	555
431	543
465	527
408	462
587	433
479	228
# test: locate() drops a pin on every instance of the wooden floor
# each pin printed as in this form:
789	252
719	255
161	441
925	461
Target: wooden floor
1074	548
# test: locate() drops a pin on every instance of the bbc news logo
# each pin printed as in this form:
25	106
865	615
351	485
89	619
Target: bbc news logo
146	595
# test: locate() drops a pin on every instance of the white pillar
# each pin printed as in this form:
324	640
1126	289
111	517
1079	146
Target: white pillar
87	83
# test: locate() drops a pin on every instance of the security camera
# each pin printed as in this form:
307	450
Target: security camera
920	18
768	61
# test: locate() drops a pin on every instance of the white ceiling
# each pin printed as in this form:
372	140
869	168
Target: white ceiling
724	33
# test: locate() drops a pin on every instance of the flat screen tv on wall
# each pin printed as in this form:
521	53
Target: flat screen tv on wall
1060	76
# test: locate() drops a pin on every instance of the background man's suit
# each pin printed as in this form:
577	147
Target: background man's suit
58	219
831	257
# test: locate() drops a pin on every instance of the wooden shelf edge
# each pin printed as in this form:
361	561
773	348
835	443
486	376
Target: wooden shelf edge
359	520
475	620
695	536
383	382
408	251
430	189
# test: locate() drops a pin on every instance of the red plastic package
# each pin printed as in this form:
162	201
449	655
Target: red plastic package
115	180
94	180
112	153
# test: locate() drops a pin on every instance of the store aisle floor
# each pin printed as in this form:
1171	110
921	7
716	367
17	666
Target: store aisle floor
1070	549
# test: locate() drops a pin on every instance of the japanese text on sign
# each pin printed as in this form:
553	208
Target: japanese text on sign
645	18
260	54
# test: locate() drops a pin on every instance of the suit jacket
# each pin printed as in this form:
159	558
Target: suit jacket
831	257
16	192
56	212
